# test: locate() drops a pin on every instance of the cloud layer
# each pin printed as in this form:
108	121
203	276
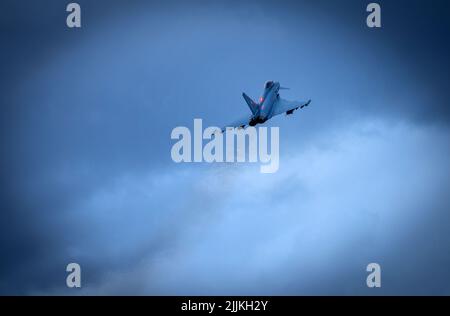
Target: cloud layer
368	196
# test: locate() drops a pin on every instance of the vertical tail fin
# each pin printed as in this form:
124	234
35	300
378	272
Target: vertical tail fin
251	104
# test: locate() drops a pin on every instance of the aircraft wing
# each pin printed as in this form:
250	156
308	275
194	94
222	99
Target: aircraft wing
241	123
288	107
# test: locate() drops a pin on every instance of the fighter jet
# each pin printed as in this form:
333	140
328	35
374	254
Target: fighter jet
270	104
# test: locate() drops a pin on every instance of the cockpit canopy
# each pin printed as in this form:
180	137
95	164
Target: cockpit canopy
268	84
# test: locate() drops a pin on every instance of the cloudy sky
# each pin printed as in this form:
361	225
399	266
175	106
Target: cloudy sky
87	176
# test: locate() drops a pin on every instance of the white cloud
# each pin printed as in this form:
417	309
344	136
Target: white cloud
228	229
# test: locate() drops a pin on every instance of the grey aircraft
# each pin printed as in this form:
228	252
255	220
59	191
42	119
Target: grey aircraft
270	104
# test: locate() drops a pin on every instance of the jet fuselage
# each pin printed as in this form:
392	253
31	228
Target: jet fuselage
266	103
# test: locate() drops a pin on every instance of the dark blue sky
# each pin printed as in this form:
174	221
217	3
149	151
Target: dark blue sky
86	174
